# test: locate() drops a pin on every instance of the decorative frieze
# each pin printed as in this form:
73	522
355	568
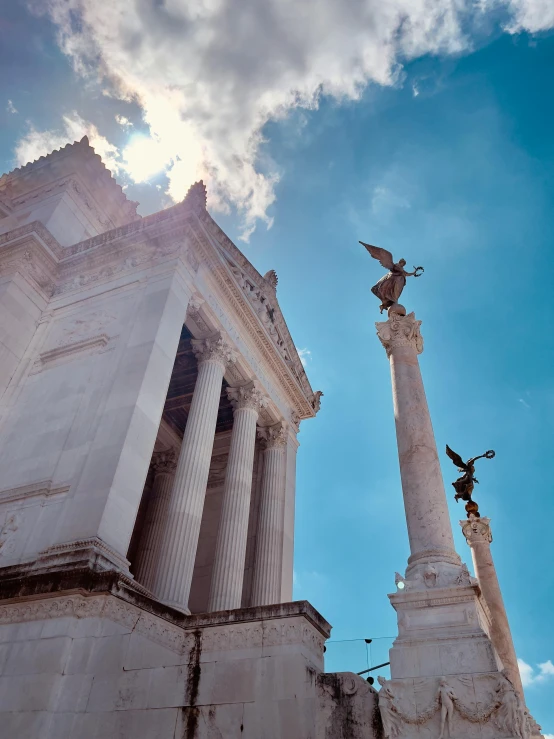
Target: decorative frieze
448	706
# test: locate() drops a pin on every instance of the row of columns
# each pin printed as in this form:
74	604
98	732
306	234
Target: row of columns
165	563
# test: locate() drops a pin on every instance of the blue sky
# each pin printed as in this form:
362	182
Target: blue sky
444	155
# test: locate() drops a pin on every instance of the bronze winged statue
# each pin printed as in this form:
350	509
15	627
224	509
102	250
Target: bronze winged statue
389	288
464	485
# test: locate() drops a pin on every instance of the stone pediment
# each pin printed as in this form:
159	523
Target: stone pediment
260	292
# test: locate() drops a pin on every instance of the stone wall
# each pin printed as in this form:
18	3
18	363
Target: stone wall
101	666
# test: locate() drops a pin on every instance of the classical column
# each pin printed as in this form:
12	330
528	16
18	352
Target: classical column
429	529
163	464
180	538
477	532
228	572
266	587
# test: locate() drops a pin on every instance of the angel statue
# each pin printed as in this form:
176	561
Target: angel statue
389	288
464	485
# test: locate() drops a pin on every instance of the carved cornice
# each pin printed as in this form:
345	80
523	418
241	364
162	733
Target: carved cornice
42	489
400	331
247	397
273	437
476	530
214	349
25	253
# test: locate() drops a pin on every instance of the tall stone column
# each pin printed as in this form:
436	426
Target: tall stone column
164	465
266	587
477	532
180	538
429	529
230	553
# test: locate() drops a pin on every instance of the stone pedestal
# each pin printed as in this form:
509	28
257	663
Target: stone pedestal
446	677
477	532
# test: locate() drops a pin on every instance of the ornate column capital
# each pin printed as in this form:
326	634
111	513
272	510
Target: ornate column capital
164	462
476	530
273	437
247	397
400	331
214	349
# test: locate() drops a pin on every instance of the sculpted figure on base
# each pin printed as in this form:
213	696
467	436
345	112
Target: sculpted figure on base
389	288
446	699
389	714
464	485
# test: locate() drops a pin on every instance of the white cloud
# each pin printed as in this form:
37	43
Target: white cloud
530	15
208	74
305	355
35	144
523	403
10	107
548	736
123	121
535	675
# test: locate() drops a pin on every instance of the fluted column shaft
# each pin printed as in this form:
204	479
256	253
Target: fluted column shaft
164	465
428	522
479	537
180	539
230	553
266	587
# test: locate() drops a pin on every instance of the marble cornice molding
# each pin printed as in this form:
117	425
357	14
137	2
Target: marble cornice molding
400	331
122	257
42	489
27	255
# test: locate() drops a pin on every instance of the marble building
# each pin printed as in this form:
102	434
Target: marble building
150	399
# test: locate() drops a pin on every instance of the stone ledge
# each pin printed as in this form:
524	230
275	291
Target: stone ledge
17	585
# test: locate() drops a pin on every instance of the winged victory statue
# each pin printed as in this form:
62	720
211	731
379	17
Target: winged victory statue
464	485
389	288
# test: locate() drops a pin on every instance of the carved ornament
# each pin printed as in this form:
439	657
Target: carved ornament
452	703
213	349
476	530
273	437
247	397
164	463
400	331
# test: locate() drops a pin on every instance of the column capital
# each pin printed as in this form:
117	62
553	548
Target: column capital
164	462
476	530
400	331
214	349
273	437
247	397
